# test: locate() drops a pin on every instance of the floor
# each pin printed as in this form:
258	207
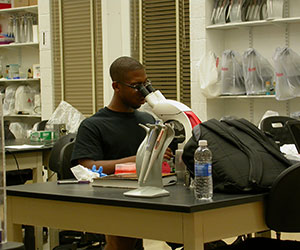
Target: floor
161	245
155	245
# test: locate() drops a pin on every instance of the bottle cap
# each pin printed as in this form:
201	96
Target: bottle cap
202	143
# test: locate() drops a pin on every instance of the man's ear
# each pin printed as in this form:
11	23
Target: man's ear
115	86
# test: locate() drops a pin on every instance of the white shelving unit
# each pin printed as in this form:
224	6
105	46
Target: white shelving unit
21	80
26	9
22	116
278	21
263	35
24	54
10	45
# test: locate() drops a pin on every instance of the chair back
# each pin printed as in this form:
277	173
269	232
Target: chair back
65	160
57	158
275	126
283	202
41	125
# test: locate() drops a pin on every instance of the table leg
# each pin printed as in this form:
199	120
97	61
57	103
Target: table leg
14	231
53	237
193	232
38	231
37	172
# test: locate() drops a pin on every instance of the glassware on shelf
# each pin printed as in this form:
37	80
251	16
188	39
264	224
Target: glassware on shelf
10	32
13	72
235	13
16	29
22	29
275	8
29	32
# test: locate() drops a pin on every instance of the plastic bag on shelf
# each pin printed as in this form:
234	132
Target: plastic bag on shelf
287	67
24	99
235	11
219	12
257	71
232	79
208	75
66	114
275	8
19	129
9	100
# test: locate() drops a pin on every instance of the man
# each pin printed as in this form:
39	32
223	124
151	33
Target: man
113	135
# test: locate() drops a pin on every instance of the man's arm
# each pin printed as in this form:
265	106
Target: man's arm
108	165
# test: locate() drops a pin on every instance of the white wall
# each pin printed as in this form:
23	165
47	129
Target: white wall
198	48
116	37
47	93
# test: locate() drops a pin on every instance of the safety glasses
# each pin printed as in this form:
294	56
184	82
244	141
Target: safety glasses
137	85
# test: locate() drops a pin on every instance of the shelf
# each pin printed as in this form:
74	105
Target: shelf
22	116
19	45
26	9
20	80
244	96
253	23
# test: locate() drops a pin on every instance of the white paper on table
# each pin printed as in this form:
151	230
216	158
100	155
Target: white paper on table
290	152
24	146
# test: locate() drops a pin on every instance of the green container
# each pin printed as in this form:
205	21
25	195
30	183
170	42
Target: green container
41	136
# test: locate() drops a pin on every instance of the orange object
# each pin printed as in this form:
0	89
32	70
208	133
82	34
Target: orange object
125	168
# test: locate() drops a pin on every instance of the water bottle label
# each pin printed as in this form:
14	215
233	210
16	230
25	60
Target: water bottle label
203	169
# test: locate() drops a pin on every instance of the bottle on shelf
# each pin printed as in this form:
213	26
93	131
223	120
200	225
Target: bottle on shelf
273	92
203	182
268	88
2	69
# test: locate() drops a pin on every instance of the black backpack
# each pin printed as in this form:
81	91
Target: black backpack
244	158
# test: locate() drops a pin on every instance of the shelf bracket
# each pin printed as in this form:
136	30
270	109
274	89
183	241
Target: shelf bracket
286	10
286	13
251	110
250	37
287	35
287	108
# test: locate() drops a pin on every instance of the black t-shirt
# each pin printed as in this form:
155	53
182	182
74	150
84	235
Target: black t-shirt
110	135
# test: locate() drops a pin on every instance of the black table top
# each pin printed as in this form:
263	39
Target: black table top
181	199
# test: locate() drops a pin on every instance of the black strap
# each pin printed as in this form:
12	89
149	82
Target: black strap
255	163
259	136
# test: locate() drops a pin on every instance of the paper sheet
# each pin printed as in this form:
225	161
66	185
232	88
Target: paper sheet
24	146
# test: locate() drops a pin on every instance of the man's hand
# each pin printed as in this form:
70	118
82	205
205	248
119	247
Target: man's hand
168	154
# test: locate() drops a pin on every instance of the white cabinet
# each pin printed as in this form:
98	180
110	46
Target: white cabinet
24	53
264	36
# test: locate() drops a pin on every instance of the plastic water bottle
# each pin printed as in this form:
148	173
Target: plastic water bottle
203	172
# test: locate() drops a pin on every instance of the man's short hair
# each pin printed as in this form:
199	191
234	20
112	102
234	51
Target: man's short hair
121	66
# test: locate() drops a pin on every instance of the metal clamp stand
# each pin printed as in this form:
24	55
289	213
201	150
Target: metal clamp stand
149	161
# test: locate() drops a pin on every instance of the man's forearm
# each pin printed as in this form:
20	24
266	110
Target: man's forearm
108	165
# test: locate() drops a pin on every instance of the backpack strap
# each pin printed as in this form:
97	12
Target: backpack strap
255	163
256	133
197	132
